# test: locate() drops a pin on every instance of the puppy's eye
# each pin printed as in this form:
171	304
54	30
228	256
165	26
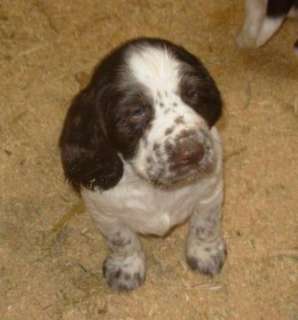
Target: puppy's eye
138	113
191	93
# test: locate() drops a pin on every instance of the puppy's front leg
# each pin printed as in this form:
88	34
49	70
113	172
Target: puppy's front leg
124	269
205	247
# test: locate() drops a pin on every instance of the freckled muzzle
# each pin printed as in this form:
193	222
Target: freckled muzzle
187	156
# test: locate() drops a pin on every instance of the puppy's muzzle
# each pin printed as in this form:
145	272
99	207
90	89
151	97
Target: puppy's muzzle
188	152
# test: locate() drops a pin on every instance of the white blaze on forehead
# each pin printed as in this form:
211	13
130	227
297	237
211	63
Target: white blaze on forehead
155	68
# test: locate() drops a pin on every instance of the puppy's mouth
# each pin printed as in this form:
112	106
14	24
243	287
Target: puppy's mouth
184	172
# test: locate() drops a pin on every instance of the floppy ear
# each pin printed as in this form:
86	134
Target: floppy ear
88	158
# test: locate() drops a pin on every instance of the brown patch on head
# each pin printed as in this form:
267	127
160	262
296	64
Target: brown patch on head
199	91
77	120
169	131
129	120
179	120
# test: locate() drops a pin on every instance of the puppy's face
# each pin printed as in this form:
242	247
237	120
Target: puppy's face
149	103
166	107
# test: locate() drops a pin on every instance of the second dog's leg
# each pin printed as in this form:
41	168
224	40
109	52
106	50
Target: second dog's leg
269	26
255	11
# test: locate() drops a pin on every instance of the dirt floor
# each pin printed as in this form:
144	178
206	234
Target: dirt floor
51	252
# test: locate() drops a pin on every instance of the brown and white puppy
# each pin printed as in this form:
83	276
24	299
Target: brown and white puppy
263	18
140	145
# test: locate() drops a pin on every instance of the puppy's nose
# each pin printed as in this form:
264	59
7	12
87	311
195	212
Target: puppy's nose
189	152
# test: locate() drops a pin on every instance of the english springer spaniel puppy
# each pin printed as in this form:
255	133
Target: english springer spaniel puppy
263	18
140	146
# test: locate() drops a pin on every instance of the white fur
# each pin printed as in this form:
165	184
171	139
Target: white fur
155	68
268	28
147	209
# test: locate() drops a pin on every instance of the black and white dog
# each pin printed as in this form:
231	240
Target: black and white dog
263	18
140	145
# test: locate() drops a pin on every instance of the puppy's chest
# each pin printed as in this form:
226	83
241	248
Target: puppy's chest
144	208
156	211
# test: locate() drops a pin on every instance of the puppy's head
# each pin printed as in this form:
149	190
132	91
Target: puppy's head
149	103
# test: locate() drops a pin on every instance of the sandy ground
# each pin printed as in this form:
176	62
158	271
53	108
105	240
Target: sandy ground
50	251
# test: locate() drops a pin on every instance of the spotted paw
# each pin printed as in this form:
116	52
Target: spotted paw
207	258
124	273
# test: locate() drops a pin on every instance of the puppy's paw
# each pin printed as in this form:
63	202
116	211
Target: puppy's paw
207	258
124	273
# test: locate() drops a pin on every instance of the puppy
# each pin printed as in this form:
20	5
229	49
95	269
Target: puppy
263	18
140	146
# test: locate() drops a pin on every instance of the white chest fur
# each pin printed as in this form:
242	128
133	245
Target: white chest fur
145	208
